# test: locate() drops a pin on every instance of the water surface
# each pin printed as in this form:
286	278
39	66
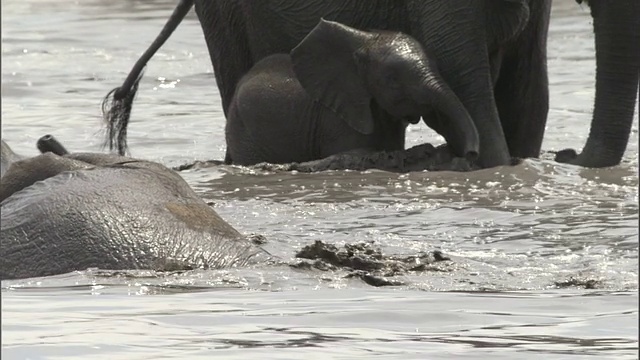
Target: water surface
544	256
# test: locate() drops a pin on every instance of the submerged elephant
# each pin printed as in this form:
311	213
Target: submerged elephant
66	212
343	70
491	52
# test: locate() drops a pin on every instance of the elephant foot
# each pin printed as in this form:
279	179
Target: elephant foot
567	156
570	156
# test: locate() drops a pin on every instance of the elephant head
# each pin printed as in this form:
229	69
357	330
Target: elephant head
616	24
21	175
345	69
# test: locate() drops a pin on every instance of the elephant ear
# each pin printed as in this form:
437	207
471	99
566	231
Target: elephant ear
24	173
325	64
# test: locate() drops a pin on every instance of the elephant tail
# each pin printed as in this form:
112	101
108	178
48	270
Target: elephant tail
116	106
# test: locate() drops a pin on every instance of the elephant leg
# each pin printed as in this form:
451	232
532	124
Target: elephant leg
227	157
457	35
225	33
617	38
390	132
522	87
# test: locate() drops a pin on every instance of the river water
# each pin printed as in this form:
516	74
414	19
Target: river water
544	256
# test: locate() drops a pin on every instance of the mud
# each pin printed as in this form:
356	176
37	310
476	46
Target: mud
198	164
424	157
364	261
257	239
581	283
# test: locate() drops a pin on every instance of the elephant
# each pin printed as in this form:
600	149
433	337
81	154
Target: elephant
492	53
45	144
617	36
63	212
316	101
7	157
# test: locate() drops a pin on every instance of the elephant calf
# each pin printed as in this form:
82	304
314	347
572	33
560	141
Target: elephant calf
342	90
63	212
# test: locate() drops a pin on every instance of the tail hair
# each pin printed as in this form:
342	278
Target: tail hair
116	111
116	106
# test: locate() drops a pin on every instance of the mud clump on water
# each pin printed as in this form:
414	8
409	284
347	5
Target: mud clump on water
367	262
198	164
257	239
578	282
418	158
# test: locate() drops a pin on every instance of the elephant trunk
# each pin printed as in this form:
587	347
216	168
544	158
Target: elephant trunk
49	143
616	25
459	130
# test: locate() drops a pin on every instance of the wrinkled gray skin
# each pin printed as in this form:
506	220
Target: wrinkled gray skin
616	24
83	210
491	52
316	102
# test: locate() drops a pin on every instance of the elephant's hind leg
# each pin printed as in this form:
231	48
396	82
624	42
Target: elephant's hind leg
522	88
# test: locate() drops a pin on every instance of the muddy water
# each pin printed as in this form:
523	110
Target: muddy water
543	256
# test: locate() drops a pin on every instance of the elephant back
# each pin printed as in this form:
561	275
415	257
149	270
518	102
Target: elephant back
114	218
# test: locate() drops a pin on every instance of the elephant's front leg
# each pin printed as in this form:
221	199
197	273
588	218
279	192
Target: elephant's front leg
616	25
522	87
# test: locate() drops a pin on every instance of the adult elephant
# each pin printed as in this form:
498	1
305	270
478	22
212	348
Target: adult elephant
62	212
462	35
492	53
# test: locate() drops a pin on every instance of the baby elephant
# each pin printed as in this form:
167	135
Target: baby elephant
342	90
62	212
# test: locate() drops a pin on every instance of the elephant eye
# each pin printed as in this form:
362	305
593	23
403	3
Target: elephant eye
392	79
